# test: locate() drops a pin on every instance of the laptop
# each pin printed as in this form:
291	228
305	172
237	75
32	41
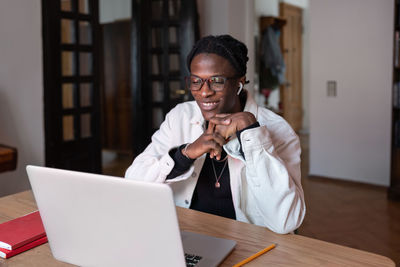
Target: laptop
98	220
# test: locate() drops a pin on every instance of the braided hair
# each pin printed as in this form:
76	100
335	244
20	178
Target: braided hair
225	46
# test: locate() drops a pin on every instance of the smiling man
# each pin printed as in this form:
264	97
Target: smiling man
223	154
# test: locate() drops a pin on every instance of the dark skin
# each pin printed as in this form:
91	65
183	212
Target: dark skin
222	109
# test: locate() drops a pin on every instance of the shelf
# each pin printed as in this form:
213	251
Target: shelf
8	158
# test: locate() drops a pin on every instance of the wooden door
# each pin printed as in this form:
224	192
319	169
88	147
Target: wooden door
71	87
116	87
291	43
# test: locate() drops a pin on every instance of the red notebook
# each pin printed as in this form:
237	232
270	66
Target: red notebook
5	253
20	231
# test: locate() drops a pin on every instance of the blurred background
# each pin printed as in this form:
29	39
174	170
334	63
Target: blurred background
85	83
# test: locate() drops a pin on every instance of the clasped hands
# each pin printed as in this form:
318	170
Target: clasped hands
220	129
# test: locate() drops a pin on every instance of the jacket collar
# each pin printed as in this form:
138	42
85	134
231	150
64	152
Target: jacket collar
197	118
251	105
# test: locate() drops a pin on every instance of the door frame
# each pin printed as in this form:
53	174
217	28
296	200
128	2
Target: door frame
285	94
82	153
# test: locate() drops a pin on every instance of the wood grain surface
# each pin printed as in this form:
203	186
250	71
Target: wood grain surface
291	250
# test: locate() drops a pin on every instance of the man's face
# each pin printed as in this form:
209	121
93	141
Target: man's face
205	66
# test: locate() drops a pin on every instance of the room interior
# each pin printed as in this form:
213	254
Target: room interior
345	133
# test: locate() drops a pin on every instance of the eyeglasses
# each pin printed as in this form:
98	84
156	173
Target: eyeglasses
215	83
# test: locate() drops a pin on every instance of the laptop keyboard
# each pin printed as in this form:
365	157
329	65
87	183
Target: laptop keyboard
192	260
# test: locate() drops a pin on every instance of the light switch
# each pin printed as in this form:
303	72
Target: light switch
331	88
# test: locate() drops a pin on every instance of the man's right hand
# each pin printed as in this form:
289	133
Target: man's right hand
209	142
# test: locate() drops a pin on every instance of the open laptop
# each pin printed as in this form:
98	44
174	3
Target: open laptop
97	220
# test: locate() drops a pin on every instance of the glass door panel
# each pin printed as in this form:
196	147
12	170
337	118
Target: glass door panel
68	63
85	33
67	31
68	95
84	6
85	91
66	5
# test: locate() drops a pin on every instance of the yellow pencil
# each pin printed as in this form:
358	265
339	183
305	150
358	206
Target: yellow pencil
252	257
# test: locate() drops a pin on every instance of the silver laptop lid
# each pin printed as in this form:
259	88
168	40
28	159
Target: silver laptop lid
82	213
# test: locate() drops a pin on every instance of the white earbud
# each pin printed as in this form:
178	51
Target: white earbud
240	88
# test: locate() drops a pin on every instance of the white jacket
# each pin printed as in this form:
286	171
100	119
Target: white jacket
266	185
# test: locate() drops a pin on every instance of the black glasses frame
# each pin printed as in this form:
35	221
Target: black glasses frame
209	82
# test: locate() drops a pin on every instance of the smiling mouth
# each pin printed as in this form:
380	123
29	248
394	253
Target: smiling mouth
208	105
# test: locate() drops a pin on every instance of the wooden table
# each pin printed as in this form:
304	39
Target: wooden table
291	250
8	158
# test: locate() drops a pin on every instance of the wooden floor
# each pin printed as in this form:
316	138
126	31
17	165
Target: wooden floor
115	164
350	214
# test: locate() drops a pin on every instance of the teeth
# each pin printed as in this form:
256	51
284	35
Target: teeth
209	104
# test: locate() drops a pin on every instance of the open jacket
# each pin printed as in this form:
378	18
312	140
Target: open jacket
266	183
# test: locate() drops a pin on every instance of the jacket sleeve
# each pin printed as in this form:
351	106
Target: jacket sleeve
272	188
155	162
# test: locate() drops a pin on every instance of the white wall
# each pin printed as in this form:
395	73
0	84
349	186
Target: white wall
110	11
351	42
21	88
271	7
300	3
266	8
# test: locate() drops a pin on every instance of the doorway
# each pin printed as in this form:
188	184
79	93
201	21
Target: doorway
115	86
279	62
110	82
291	46
143	70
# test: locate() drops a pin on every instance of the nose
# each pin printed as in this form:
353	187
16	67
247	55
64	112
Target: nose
206	90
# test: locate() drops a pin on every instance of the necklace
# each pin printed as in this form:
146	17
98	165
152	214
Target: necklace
217	184
221	160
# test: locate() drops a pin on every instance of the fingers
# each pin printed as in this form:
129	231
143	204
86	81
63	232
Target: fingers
221	123
216	151
221	127
211	127
222	115
206	143
215	144
216	134
220	140
221	119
